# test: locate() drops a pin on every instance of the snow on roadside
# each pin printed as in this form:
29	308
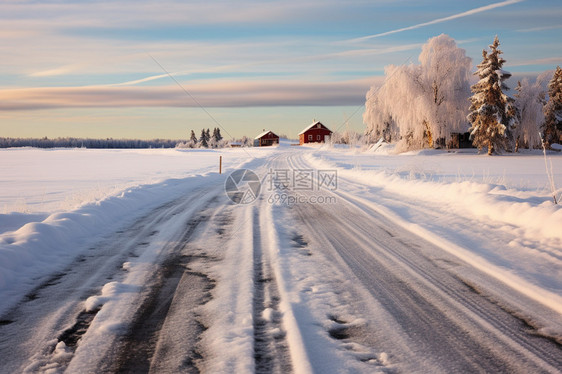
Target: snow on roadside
529	208
505	197
50	240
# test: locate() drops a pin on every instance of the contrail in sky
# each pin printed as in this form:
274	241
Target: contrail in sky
439	20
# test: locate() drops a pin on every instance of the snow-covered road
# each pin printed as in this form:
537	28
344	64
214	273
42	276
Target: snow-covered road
418	307
315	275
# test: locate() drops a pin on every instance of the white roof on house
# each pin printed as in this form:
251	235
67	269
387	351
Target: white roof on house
311	126
264	133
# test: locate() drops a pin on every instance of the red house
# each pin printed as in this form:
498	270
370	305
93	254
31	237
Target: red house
266	138
315	133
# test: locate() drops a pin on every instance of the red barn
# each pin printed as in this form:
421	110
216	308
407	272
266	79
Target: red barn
315	133
266	138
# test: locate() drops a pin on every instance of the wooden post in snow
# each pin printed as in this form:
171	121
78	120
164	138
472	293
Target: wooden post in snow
220	164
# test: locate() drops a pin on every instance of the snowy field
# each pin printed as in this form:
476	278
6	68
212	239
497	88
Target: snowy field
289	281
43	181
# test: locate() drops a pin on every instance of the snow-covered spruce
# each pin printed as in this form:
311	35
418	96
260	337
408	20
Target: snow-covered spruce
492	113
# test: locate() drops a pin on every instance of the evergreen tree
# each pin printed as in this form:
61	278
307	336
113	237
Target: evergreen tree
208	135
552	126
217	134
203	139
492	113
193	138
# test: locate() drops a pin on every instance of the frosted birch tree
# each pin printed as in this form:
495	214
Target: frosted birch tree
379	121
422	103
492	113
444	83
529	101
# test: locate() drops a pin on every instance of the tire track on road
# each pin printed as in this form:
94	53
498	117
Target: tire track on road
54	311
139	346
271	352
486	312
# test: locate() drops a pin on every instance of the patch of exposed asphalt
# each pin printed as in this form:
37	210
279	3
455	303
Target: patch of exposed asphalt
138	345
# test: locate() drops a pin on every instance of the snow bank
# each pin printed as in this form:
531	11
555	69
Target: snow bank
40	248
438	180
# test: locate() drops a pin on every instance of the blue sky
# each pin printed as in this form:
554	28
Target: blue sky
99	69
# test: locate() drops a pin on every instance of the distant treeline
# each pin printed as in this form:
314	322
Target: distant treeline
87	143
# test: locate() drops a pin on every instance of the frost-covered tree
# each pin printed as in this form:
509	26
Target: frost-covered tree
349	137
553	110
187	144
217	134
422	103
444	82
193	138
492	113
213	143
246	141
378	120
529	101
203	139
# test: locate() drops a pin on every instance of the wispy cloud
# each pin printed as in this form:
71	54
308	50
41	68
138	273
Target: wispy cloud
369	51
144	80
286	61
539	61
440	20
215	69
208	94
57	71
541	28
58	15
